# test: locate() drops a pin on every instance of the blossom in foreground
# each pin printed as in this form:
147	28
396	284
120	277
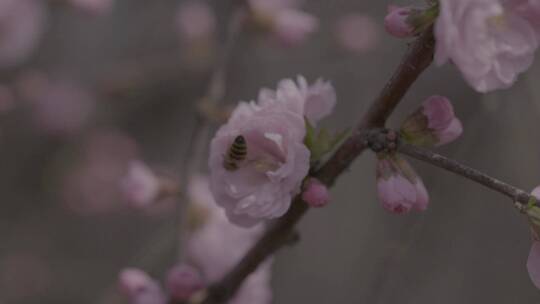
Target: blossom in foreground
264	141
357	32
215	245
284	19
316	193
22	23
399	188
396	21
491	44
434	123
140	288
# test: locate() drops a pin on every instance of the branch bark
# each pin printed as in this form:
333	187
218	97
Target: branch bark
417	59
516	194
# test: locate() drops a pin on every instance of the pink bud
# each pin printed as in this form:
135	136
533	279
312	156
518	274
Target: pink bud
140	185
315	193
396	22
398	187
140	288
533	263
183	281
293	26
441	119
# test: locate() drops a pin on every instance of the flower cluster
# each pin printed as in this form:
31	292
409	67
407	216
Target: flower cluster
270	161
399	188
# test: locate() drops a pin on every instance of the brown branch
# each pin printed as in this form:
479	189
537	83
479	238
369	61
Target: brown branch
516	194
417	59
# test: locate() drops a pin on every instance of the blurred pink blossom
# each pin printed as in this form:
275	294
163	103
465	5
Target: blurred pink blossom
22	23
57	107
183	281
491	44
396	21
316	193
216	245
434	123
356	32
140	288
90	183
277	160
98	7
140	185
284	19
398	187
195	20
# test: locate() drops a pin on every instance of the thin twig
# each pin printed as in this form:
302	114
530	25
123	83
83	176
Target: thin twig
516	194
214	95
417	59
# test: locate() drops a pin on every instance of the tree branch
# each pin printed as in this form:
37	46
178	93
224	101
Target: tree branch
516	194
417	59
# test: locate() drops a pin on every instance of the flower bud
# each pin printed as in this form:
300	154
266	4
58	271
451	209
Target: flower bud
315	193
433	124
397	22
399	188
140	185
183	281
139	287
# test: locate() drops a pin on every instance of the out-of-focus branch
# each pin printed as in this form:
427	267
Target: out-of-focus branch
417	59
214	95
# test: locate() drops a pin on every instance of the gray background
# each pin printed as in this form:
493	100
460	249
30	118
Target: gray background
470	246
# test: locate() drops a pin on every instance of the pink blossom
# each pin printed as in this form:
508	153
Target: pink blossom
434	123
94	6
140	185
216	245
22	23
396	22
488	40
183	281
284	19
398	187
277	160
195	20
140	288
292	27
533	263
357	32
315	193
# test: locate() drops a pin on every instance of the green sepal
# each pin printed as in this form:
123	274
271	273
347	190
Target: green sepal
319	144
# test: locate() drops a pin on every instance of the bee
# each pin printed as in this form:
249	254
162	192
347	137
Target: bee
237	152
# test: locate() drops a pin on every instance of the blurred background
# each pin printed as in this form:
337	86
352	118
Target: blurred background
87	86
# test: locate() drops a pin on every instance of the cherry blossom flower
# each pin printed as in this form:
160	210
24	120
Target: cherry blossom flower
399	188
140	288
215	245
357	33
276	160
396	21
22	23
434	123
488	40
315	193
